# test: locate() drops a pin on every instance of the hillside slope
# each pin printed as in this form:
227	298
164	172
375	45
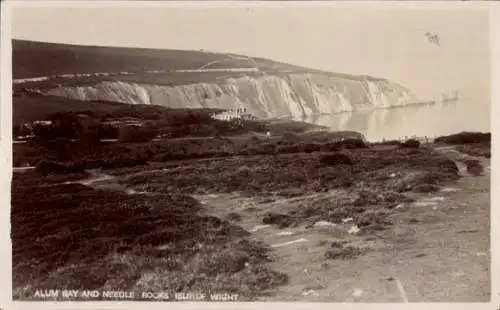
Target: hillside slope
196	79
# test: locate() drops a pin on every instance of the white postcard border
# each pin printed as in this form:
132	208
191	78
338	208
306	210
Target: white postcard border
6	156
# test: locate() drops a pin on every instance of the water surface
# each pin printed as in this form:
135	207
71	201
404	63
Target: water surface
420	120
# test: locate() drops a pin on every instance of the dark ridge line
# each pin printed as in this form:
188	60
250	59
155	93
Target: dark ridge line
22	43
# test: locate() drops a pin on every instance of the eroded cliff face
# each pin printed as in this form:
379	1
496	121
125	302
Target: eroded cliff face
292	95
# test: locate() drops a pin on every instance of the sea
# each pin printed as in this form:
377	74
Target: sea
427	120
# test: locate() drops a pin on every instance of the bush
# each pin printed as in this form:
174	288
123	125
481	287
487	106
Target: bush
343	252
323	136
474	166
366	198
310	147
447	166
70	125
64	125
264	149
336	159
350	135
411	143
425	188
268	148
476	149
302	148
387	142
372	218
43	131
20	130
282	220
465	138
330	147
287	149
250	151
233	216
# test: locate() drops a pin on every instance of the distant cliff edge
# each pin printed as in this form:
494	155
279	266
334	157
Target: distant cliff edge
141	76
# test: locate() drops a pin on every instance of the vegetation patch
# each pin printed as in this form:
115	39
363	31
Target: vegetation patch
474	166
465	138
282	220
344	252
482	149
233	216
336	159
411	143
72	236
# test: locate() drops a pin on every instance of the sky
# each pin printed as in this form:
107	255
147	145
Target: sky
383	42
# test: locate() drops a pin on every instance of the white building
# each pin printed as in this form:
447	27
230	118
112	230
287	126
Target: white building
230	114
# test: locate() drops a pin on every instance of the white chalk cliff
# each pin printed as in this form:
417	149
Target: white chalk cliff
267	96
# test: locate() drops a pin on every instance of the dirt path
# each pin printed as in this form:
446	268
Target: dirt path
438	249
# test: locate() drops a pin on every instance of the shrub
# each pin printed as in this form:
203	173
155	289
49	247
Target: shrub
353	135
411	143
413	152
347	252
476	149
370	218
474	166
425	188
264	149
330	147
447	165
282	220
63	125
288	149
387	142
43	131
366	198
250	151
268	148
311	147
20	129
233	216
465	138
336	159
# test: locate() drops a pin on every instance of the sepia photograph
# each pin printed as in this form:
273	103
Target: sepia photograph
255	152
